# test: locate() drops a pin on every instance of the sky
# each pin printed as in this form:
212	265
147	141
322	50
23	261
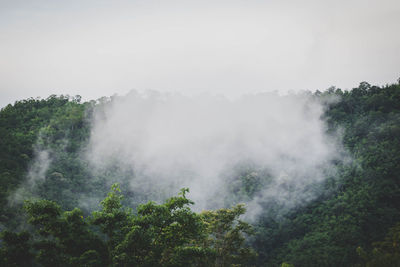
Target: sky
100	48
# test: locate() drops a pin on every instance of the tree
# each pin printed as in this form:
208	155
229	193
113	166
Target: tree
65	237
168	234
16	249
163	235
384	253
226	235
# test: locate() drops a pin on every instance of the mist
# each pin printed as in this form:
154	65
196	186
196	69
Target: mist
170	141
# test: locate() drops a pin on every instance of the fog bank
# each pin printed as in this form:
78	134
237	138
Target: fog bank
170	141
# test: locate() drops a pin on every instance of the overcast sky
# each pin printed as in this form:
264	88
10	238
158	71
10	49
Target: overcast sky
99	48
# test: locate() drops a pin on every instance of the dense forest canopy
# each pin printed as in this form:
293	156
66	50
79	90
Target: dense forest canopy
58	210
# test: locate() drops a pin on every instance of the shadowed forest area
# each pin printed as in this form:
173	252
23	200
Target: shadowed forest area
57	211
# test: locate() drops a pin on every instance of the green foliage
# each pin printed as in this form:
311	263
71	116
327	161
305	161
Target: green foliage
225	236
65	237
363	200
16	249
355	210
163	235
383	253
29	126
168	234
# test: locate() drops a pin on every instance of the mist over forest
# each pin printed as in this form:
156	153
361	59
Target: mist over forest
199	133
170	141
164	179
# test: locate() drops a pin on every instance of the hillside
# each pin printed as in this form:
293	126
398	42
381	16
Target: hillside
44	148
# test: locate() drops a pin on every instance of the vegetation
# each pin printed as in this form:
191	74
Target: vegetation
27	124
384	253
361	203
169	234
354	222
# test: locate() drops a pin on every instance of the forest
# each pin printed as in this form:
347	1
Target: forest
57	211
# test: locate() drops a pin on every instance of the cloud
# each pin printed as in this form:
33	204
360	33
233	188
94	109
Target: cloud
170	141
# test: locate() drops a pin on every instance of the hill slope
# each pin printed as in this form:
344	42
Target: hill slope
355	208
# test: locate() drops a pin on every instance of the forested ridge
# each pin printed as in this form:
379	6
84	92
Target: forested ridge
355	220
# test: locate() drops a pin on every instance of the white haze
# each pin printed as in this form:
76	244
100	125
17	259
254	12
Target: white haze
171	141
36	173
97	47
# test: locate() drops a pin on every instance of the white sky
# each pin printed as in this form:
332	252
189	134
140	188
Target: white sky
99	48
